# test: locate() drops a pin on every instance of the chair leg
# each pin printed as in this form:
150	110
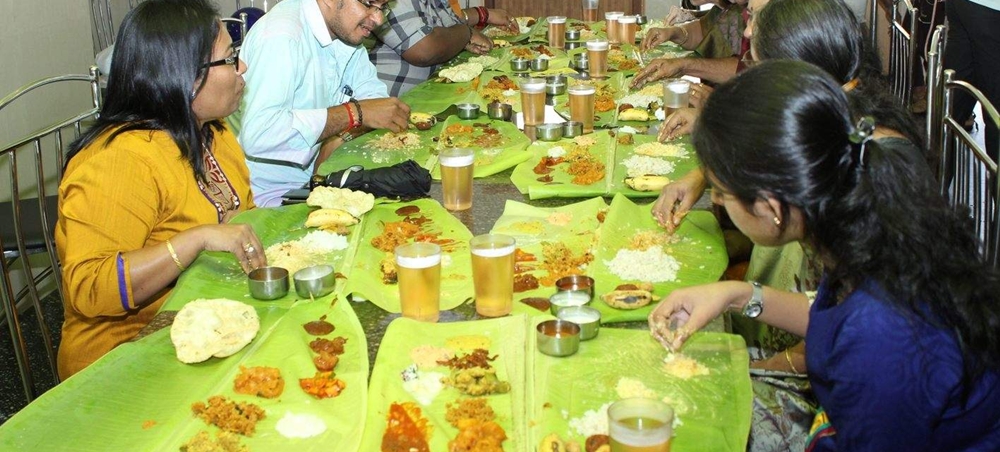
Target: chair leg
43	326
16	335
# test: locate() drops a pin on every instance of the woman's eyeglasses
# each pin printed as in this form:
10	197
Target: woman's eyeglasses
233	60
383	8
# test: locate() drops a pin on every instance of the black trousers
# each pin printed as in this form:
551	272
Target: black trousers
974	53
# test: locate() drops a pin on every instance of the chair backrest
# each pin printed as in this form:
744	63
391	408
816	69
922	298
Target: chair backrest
903	50
935	91
873	23
32	235
241	22
104	24
975	184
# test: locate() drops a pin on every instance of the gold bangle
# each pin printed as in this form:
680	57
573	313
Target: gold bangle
173	255
789	359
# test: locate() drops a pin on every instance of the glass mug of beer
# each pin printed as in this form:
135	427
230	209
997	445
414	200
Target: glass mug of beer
493	274
557	31
597	53
581	106
590	10
456	177
533	101
627	26
640	425
676	94
418	272
611	27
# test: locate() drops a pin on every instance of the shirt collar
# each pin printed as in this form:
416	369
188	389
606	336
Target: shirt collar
314	18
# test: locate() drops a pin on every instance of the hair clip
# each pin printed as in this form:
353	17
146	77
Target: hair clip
861	135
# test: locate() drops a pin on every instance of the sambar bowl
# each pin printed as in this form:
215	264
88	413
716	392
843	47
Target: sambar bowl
539	64
497	110
549	132
580	62
268	283
519	64
641	19
572	35
570	45
315	281
576	282
572	129
587	317
468	111
558	337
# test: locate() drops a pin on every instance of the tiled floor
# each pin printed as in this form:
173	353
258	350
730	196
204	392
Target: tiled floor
12	397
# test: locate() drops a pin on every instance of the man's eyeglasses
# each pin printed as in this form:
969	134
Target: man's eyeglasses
233	60
383	8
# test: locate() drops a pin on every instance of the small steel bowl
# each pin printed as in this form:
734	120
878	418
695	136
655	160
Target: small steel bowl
539	64
580	62
468	111
519	64
572	129
268	283
315	281
549	132
496	110
641	19
558	337
587	317
570	45
568	298
572	35
555	88
576	282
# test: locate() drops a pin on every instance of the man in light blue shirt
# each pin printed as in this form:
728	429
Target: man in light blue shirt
311	86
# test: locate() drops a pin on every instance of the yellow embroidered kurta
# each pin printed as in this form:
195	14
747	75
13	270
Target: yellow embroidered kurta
135	192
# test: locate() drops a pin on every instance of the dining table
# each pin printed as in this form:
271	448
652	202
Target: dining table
140	396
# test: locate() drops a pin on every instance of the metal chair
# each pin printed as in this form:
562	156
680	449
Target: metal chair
975	184
935	77
903	50
103	23
239	4
27	223
242	21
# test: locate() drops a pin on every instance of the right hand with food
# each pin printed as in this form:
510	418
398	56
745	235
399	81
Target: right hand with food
687	310
237	239
657	69
385	113
678	197
680	122
479	43
655	37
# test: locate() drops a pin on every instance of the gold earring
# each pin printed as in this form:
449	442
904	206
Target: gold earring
777	221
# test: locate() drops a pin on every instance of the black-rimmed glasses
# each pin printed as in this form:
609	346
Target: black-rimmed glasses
233	60
383	8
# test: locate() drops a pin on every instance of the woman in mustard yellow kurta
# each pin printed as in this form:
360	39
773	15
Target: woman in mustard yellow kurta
154	181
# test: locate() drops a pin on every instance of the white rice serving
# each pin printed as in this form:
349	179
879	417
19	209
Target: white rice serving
313	249
641	165
652	265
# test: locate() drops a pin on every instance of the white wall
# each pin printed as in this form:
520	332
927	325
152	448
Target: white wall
658	9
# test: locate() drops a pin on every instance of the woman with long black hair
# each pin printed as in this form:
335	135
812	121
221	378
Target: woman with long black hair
903	339
155	180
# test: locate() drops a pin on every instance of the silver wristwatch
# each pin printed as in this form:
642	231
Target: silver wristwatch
755	306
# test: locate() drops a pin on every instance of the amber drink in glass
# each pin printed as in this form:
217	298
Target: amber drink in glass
640	425
581	106
456	177
611	26
597	53
627	26
533	101
493	274
418	271
557	31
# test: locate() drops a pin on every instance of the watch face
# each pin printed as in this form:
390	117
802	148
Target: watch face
753	310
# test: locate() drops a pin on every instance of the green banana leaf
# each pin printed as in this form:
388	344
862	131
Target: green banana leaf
667	50
682	165
514	100
138	396
603	119
701	252
218	275
434	97
507	339
456	264
526	181
361	151
530	227
488	160
714	410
